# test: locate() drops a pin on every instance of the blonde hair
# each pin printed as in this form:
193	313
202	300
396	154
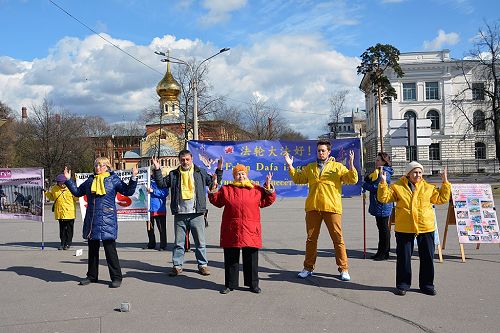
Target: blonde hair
102	160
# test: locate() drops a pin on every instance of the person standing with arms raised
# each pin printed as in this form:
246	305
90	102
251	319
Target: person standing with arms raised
188	190
324	203
101	223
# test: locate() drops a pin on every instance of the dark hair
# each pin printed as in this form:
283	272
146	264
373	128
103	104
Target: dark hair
324	143
185	152
385	157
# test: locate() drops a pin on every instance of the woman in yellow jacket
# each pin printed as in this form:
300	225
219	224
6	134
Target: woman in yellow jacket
415	218
64	209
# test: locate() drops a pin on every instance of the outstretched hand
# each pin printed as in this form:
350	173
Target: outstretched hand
220	162
67	173
135	171
288	159
444	174
155	162
351	159
383	176
269	177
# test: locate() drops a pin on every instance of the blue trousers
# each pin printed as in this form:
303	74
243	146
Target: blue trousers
404	251
196	225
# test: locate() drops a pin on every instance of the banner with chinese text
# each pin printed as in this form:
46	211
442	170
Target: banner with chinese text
266	156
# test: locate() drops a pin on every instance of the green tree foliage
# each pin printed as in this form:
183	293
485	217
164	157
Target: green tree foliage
374	62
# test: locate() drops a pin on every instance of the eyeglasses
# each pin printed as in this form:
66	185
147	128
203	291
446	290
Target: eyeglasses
322	150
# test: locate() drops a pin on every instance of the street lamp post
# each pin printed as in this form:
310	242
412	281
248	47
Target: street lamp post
194	72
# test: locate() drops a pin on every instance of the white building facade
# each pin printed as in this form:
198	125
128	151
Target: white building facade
432	83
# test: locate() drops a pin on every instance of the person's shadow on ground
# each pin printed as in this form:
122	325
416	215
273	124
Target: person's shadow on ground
47	275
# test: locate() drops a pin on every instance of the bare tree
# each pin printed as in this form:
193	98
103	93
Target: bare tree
481	74
7	136
337	109
52	138
208	104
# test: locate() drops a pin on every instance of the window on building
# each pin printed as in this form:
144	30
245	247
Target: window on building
116	154
409	91
409	114
117	166
478	91
479	123
411	153
434	152
432	90
480	151
433	115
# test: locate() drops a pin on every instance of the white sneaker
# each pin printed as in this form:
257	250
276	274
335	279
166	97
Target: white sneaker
344	276
304	273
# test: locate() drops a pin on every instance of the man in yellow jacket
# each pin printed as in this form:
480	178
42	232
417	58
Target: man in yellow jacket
64	209
414	218
324	203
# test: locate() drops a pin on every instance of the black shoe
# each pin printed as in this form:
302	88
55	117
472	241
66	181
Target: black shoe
226	290
376	255
86	281
430	292
115	284
380	258
60	247
400	292
256	290
162	249
66	247
148	247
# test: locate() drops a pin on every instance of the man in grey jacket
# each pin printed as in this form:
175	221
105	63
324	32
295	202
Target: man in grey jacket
188	204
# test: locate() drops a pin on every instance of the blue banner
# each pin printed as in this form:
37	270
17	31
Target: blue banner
266	156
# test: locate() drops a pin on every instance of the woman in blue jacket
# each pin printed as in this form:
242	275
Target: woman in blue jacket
157	215
100	223
381	211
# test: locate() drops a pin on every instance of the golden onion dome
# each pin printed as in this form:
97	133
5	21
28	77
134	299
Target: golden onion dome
168	87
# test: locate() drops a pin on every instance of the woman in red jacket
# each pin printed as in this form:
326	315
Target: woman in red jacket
240	227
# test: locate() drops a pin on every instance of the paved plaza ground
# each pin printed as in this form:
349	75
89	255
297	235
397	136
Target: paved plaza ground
40	292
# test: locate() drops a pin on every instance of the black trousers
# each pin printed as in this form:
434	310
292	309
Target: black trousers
161	224
115	271
250	266
384	236
404	251
66	231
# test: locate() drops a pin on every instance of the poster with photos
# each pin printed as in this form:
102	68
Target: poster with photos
475	213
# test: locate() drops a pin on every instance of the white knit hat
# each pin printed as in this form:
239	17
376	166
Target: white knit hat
413	165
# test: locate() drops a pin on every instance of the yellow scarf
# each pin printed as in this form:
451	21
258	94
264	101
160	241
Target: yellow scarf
187	186
374	175
245	183
97	186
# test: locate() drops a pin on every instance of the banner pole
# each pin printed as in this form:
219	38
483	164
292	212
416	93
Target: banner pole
43	207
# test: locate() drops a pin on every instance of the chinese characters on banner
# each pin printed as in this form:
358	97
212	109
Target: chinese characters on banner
21	196
475	213
266	156
134	208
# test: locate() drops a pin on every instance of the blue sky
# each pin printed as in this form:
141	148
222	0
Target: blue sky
292	53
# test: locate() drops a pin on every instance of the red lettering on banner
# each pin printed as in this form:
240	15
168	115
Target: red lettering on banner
122	200
5	174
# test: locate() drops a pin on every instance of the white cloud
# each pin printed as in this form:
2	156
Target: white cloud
219	10
296	73
441	40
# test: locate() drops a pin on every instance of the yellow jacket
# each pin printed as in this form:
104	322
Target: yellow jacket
414	213
65	204
325	190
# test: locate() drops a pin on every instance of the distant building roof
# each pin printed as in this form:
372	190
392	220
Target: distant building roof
164	151
135	153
